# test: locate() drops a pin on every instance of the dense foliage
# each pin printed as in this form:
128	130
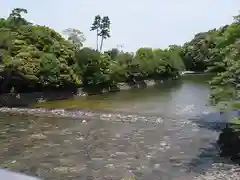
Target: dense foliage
35	58
226	85
218	51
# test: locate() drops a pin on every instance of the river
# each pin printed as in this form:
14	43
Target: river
165	132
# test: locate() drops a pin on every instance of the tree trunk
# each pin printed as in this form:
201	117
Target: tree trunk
101	45
97	39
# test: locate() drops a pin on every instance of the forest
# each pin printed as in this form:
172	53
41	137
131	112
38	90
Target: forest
37	58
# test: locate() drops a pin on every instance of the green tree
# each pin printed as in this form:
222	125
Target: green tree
226	84
237	18
95	70
196	52
37	55
113	53
16	17
104	30
96	27
144	53
176	57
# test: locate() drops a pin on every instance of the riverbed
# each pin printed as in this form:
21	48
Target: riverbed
165	132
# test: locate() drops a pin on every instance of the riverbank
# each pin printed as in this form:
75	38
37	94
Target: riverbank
27	99
171	95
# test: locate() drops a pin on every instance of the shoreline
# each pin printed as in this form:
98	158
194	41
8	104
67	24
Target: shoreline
29	99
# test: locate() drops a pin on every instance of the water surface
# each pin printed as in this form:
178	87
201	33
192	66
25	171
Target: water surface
148	134
188	95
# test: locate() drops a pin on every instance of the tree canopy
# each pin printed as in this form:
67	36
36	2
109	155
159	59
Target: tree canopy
217	51
34	57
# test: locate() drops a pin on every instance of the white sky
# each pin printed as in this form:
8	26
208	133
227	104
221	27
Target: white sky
135	23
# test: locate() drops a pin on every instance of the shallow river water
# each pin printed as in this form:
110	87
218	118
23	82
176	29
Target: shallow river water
166	132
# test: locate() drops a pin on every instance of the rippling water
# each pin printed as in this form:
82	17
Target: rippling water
163	133
188	96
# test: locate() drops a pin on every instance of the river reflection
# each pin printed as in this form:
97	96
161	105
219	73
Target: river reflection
186	96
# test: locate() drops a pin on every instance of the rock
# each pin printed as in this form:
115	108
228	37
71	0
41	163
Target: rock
129	176
41	100
84	121
159	120
229	143
38	136
163	143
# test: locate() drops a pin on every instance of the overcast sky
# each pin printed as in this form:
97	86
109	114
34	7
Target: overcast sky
135	23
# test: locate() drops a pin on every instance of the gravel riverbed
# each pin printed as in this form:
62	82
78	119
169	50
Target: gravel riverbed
111	146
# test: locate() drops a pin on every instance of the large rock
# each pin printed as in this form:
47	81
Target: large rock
229	143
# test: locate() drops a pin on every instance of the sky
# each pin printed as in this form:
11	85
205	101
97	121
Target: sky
134	23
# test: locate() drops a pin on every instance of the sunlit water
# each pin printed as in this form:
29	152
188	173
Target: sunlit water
187	96
163	132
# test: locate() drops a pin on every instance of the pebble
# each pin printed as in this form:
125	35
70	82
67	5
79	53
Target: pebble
163	143
218	172
159	120
79	138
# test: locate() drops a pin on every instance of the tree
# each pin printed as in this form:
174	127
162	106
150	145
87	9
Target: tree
16	13
237	18
144	53
175	53
96	26
16	16
42	59
104	30
196	52
34	57
125	57
226	84
95	68
75	36
113	53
